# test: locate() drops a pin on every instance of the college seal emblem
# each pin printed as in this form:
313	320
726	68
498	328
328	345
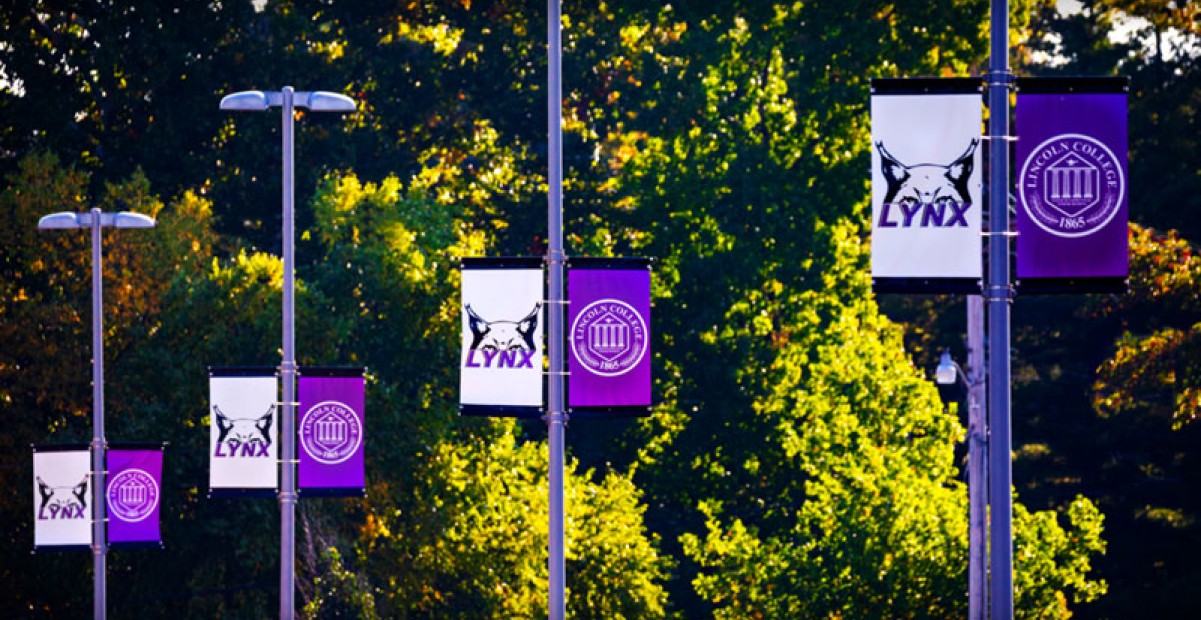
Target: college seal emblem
132	495
330	432
1071	185
608	337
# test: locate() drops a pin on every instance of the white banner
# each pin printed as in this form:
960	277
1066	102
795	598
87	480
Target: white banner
62	497
243	430
501	360
926	185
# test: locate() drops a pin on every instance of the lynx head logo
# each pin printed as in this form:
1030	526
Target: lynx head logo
940	193
62	502
503	335
243	436
502	343
927	183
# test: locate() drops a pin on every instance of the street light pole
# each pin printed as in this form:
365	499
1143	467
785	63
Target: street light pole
977	436
950	373
288	100
998	294
287	371
99	509
95	220
556	417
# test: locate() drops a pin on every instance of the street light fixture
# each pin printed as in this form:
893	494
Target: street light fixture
287	100
95	220
68	219
317	101
949	372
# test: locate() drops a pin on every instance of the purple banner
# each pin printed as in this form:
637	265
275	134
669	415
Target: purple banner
609	335
330	431
134	495
1071	181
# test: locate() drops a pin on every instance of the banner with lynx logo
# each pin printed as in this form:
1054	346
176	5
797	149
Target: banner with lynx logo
134	494
926	185
243	432
501	361
608	337
62	497
330	431
1071	185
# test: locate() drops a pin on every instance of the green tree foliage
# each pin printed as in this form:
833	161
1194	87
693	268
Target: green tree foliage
782	382
473	533
1129	443
1154	370
883	517
340	593
876	518
461	530
1156	45
43	306
1144	401
1091	416
374	256
799	462
117	87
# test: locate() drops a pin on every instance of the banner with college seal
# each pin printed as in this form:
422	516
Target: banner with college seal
330	431
609	364
62	497
1071	185
926	185
243	431
134	494
500	367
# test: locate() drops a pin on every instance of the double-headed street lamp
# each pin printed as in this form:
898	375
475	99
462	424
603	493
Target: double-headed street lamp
95	220
288	99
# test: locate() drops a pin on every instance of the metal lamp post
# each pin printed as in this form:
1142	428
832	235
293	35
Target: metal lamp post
555	416
949	373
95	220
998	294
288	100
